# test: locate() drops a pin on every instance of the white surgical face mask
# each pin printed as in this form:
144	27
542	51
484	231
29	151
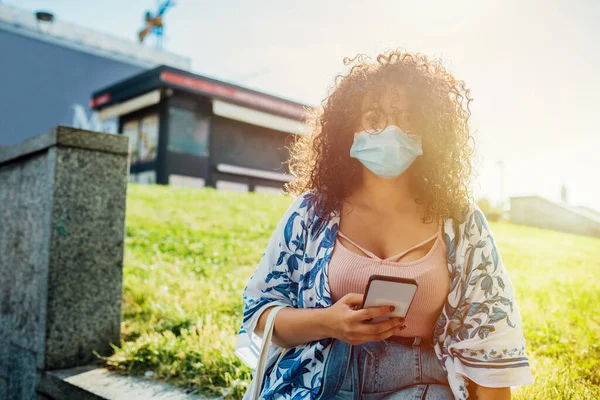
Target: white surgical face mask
388	153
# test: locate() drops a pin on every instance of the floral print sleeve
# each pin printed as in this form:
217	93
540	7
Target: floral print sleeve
274	281
483	338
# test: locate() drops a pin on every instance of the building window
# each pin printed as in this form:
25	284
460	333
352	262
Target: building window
143	138
131	130
149	138
188	132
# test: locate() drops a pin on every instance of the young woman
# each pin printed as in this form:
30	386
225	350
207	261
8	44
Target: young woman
382	188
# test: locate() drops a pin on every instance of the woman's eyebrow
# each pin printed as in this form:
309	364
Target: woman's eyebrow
398	111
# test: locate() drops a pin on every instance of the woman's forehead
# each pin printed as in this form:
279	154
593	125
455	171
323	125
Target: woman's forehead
392	98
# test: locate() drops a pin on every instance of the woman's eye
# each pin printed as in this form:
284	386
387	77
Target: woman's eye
371	121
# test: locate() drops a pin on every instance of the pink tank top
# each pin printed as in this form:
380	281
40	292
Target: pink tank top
349	273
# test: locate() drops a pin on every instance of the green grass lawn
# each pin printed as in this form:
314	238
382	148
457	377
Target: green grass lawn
190	252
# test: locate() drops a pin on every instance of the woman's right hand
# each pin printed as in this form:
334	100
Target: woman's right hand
346	322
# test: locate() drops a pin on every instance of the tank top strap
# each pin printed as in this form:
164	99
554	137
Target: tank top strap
399	255
372	255
367	252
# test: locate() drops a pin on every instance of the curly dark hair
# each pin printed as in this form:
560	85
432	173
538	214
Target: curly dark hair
439	114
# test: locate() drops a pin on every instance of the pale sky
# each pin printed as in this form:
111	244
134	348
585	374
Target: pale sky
531	66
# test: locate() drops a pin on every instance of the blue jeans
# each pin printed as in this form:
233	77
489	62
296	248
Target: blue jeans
385	370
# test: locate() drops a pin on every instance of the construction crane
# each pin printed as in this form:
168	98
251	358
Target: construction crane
154	23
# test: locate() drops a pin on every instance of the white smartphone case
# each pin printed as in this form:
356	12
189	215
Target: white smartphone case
398	294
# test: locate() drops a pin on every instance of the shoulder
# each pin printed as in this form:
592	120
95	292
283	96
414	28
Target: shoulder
474	222
305	217
304	204
470	229
297	217
301	204
477	239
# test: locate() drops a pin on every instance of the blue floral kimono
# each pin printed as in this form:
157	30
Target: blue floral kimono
478	334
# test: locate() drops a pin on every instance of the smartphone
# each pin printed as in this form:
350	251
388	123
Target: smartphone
383	290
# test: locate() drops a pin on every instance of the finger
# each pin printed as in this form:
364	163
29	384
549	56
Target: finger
353	299
394	331
381	336
378	327
373	312
400	329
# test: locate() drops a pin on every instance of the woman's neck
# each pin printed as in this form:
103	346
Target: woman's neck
384	196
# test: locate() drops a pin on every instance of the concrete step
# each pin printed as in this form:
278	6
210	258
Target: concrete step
94	383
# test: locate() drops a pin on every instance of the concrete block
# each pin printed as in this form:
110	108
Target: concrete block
62	213
4	356
3	389
22	375
28	242
85	281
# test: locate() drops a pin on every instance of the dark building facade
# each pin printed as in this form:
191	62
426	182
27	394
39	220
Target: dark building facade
47	73
190	130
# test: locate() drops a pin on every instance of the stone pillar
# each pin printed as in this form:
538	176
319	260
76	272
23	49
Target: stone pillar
62	221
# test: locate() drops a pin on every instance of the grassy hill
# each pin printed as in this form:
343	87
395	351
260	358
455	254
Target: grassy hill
189	253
